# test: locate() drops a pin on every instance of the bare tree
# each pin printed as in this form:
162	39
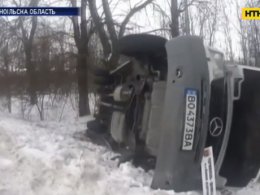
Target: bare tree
5	57
175	31
6	60
207	14
242	31
179	20
227	32
82	36
202	18
212	22
253	30
27	40
109	40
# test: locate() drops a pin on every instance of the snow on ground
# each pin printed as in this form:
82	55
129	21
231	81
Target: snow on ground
44	158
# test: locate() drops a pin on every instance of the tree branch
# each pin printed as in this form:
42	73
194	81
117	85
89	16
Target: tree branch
186	6
156	30
75	24
110	23
131	14
33	29
100	27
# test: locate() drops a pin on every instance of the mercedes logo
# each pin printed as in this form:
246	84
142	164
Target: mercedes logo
215	126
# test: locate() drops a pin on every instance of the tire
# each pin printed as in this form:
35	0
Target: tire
101	72
104	81
141	44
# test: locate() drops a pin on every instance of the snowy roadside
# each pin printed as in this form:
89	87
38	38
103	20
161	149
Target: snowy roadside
43	158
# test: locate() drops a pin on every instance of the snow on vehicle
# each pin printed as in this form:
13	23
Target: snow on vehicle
169	100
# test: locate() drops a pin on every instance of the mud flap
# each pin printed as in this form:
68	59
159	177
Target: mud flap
185	116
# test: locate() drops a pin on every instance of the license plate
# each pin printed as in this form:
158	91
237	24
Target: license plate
190	119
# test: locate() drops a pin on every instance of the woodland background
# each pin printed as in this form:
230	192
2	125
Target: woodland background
48	61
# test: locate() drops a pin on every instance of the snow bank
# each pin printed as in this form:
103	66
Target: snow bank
45	158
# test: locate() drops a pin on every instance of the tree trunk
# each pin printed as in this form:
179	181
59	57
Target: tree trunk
27	39
187	19
82	74
31	75
112	63
175	19
8	86
104	39
81	37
